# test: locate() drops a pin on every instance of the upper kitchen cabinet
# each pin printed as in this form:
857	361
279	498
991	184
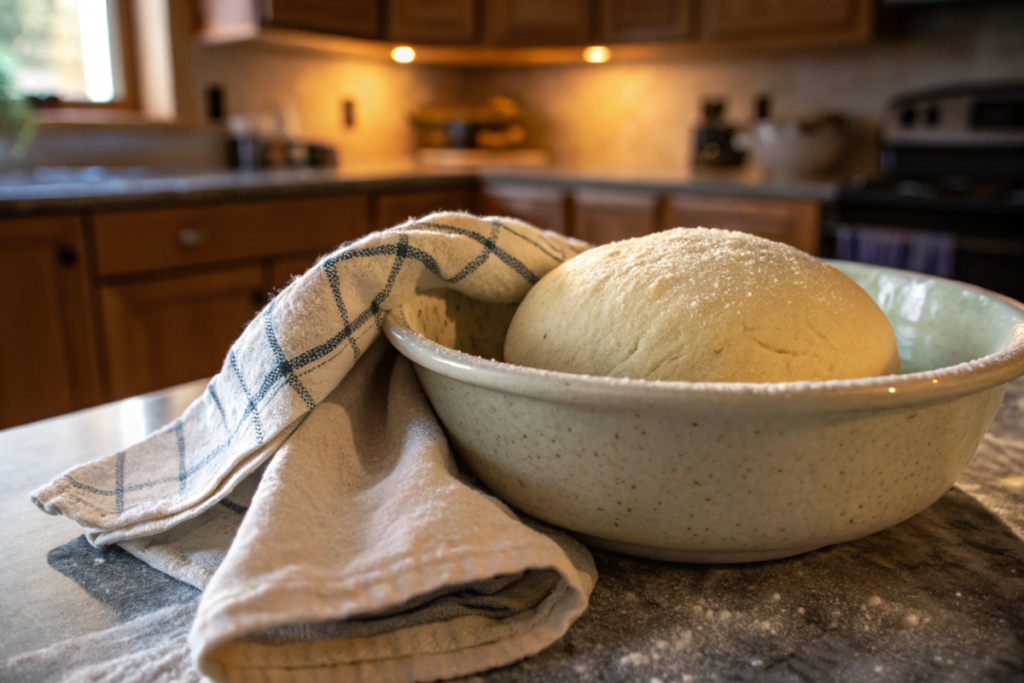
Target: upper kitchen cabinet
796	21
344	17
501	33
538	22
432	21
230	20
645	20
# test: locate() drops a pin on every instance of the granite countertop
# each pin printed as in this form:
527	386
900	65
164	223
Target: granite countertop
936	598
58	190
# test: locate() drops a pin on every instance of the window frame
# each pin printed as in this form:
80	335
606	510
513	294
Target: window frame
125	53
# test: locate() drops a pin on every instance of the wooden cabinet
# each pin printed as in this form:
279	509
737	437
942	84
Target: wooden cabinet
629	21
283	270
476	27
543	206
785	19
140	241
538	22
392	208
603	216
48	361
432	21
359	18
794	222
165	322
172	330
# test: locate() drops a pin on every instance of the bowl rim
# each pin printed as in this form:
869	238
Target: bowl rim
843	395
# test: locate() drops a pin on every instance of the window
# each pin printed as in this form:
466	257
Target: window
69	52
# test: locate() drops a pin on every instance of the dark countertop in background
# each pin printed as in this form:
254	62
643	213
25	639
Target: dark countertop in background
71	190
936	598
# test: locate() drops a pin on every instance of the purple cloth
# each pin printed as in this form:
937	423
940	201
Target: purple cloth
918	250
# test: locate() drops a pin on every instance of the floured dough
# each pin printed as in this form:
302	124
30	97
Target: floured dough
696	304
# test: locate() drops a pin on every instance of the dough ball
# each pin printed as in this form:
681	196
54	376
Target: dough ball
701	305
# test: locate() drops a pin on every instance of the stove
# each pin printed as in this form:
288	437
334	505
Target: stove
950	197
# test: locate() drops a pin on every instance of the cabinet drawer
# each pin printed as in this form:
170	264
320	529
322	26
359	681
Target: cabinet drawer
793	222
135	241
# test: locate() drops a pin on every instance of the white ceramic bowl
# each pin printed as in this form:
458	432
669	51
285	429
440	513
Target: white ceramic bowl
789	149
724	472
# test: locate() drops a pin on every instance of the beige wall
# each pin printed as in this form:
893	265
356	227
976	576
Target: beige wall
262	77
640	117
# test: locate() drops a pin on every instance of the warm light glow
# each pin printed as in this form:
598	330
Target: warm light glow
597	54
935	381
403	54
99	74
892	390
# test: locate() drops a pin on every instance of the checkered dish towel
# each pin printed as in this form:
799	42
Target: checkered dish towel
311	492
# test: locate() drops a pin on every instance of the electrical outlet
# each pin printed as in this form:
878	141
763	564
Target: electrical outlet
348	114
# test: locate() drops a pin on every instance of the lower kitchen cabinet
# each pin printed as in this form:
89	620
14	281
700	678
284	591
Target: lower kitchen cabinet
797	223
158	239
48	360
175	329
603	216
283	270
393	208
543	206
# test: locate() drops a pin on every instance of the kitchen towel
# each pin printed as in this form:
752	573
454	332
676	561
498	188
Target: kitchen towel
311	492
923	251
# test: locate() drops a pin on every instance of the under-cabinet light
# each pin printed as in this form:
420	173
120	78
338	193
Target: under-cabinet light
403	54
597	54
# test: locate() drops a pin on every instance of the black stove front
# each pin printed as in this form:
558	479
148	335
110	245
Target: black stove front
968	230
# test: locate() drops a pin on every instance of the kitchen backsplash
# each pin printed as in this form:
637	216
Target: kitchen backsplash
260	78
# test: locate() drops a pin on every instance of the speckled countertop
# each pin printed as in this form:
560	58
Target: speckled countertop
936	598
60	190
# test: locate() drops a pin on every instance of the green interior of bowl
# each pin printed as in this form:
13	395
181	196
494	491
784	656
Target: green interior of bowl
454	320
937	323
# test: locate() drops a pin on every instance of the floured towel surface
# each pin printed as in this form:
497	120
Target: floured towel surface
311	493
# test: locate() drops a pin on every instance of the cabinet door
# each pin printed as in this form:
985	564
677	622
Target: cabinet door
544	207
538	22
643	20
792	222
397	207
48	361
172	330
758	19
432	21
346	17
603	216
283	270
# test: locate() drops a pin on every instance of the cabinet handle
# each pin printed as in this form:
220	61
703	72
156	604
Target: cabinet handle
190	238
67	256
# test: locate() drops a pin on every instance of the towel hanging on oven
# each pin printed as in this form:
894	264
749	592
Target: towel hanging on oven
923	251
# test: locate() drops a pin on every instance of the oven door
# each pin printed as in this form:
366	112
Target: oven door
977	242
